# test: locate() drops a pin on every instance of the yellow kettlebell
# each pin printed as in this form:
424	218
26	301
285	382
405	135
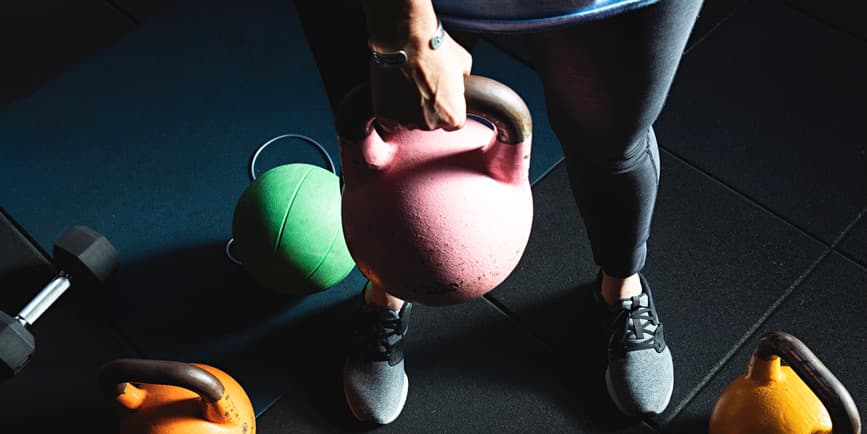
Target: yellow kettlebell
169	397
802	397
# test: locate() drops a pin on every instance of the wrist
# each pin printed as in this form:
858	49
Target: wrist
394	25
401	57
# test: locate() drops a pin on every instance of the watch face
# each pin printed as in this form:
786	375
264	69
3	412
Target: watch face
437	39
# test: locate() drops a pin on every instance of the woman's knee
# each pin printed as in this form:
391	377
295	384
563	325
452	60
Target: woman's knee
614	150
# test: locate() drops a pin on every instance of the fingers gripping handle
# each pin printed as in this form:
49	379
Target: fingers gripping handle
506	158
486	98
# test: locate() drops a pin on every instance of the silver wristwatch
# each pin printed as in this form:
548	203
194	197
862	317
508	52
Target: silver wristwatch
399	57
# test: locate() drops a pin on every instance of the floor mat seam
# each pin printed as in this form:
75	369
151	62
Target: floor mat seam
746	337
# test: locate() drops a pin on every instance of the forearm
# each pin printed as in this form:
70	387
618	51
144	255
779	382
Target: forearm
426	90
399	24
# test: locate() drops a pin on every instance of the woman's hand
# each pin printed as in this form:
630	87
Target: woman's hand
427	92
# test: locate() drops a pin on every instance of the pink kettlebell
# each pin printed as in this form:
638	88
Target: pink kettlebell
438	217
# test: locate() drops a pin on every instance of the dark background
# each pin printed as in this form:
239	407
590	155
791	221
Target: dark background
138	119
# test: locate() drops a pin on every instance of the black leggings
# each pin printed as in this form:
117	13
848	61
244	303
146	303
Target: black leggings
605	84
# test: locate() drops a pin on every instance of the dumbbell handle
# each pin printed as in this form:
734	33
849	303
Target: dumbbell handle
39	304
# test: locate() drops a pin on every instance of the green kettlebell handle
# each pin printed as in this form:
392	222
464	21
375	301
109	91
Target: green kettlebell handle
116	374
486	98
836	399
322	151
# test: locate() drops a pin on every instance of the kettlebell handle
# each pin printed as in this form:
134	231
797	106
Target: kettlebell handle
486	98
117	378
322	151
836	399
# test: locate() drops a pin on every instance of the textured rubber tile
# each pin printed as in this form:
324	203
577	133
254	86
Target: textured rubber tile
470	370
142	11
40	40
844	15
854	243
25	267
212	313
710	254
825	313
771	104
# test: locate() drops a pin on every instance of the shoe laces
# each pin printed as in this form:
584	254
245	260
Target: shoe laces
636	326
380	333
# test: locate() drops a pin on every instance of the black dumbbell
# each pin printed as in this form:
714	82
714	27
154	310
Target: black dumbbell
84	259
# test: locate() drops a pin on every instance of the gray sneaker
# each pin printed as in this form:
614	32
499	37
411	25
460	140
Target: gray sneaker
640	373
374	381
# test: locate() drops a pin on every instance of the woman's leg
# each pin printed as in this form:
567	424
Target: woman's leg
605	84
337	36
343	63
374	380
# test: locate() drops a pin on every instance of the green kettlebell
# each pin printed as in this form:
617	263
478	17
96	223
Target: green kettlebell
286	228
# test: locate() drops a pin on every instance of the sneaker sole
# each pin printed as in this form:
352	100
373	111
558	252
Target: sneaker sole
403	394
609	387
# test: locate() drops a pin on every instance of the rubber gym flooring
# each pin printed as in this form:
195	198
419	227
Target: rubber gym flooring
138	119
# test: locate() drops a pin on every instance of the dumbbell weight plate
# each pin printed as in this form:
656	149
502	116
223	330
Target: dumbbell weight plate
16	346
85	255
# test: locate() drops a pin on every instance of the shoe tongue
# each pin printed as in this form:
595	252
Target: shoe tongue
643	301
382	314
384	311
388	314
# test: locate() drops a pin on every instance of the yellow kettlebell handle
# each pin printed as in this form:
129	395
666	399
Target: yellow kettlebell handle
836	399
115	380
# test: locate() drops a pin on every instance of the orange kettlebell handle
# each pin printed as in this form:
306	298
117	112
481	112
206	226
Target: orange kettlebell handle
487	98
115	378
836	399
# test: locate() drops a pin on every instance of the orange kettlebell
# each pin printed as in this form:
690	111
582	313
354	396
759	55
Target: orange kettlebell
802	397
169	397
